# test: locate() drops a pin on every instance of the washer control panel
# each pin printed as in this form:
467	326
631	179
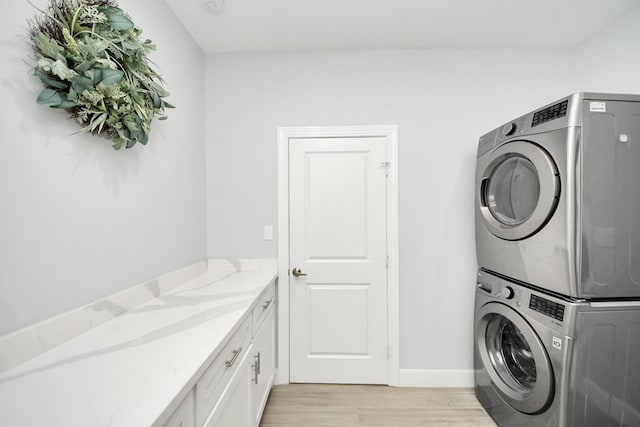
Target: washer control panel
546	307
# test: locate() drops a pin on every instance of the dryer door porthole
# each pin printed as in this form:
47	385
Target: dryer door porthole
518	191
515	359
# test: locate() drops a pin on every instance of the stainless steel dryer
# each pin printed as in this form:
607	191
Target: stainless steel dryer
547	361
558	197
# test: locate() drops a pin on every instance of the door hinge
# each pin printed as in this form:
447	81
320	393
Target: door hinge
388	352
386	166
386	261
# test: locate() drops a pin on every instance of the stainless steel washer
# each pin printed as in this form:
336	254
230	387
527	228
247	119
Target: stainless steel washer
541	360
558	197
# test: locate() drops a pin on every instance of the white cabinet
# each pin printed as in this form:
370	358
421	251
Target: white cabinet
263	306
219	374
233	409
263	366
235	396
183	415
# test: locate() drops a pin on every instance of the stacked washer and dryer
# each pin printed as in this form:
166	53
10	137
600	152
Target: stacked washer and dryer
557	311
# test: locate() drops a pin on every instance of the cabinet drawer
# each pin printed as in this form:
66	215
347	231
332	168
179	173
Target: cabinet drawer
263	305
212	383
183	415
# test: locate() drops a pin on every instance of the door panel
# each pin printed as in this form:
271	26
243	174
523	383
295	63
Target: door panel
349	316
324	221
338	310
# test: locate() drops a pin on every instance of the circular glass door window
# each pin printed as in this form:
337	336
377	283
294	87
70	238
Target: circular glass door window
513	190
515	358
518	189
511	355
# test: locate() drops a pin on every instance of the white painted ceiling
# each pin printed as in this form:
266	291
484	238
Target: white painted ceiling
311	25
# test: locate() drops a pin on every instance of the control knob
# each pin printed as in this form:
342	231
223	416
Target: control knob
509	129
508	292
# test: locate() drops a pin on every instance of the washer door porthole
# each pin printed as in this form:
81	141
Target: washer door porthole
510	354
518	191
515	359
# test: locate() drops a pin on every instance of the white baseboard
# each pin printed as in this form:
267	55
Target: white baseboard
428	378
436	378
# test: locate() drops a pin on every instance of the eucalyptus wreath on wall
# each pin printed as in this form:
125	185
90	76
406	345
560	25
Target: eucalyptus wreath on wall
94	65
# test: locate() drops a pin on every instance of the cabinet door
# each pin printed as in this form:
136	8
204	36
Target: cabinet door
183	415
235	409
262	366
215	380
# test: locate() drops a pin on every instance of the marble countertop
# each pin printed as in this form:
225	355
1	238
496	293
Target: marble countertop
136	368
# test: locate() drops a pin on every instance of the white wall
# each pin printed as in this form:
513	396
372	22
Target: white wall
610	61
442	100
79	220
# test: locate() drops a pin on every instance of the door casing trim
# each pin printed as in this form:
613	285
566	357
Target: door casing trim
390	132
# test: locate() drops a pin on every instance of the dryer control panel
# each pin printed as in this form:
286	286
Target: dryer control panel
550	113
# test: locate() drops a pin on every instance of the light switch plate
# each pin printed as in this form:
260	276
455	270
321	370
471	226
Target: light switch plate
268	232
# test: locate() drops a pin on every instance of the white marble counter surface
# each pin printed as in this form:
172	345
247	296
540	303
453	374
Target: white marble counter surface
136	368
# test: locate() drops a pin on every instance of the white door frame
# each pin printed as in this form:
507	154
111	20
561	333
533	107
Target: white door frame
390	132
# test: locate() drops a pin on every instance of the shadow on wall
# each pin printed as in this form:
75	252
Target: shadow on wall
92	152
59	136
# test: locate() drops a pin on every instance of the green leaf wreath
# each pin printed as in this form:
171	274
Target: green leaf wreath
93	65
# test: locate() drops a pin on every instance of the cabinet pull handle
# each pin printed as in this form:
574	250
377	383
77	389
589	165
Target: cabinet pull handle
236	353
267	304
256	367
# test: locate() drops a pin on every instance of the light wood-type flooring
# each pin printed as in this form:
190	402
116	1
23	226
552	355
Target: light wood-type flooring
332	405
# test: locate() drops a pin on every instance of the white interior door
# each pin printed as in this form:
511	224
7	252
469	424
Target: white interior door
338	229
